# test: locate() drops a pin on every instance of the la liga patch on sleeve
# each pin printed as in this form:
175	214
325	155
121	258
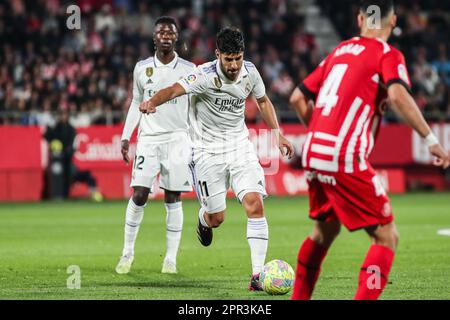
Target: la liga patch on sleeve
191	78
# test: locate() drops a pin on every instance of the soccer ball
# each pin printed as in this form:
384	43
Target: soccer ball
277	277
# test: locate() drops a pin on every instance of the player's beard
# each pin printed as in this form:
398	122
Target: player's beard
231	76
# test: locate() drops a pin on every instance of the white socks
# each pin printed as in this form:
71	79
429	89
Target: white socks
174	223
133	220
201	216
258	238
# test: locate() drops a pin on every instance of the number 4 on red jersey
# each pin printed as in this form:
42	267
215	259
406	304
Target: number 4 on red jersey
348	87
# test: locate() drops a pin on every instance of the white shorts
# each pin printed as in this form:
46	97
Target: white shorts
213	174
170	159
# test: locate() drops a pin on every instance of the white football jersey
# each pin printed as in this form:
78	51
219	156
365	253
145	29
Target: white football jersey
150	76
217	113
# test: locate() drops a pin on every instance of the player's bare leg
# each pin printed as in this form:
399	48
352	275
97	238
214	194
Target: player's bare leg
310	257
386	235
174	227
214	220
207	222
377	265
257	235
324	233
133	219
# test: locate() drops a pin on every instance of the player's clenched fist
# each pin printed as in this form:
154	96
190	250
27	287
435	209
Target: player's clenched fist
124	150
442	157
147	107
286	148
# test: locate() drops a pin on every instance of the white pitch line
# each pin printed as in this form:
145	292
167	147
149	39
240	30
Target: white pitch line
444	232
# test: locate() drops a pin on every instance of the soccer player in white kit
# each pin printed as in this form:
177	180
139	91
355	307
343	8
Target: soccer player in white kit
223	155
163	144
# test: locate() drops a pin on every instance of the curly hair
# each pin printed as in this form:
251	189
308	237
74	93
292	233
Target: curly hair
166	20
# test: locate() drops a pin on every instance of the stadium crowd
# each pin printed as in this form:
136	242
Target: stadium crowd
422	35
45	67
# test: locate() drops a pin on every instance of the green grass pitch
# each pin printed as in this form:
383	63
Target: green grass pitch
39	241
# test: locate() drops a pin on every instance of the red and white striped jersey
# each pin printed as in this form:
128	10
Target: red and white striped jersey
349	88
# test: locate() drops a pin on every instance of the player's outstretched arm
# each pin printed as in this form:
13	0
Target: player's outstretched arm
162	96
270	117
302	106
404	105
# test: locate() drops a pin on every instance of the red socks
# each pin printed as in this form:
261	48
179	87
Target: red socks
372	277
309	260
374	273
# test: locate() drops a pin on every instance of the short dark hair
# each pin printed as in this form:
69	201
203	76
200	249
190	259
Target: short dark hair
386	6
230	40
166	20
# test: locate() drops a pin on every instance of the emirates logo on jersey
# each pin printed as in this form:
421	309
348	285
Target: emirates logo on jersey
230	105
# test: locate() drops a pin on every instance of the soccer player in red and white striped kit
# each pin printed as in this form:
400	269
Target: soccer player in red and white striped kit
342	103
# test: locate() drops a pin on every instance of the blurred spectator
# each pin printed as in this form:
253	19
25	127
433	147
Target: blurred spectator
282	85
442	64
272	64
422	35
105	19
44	117
47	68
80	119
425	74
61	140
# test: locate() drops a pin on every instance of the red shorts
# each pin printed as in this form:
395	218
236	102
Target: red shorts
357	200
